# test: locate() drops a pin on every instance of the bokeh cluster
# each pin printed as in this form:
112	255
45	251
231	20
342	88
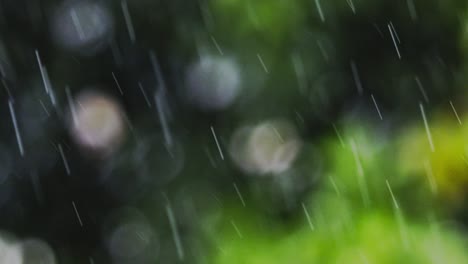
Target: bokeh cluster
233	131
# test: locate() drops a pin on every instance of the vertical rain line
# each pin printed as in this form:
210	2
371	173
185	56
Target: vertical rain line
394	41
162	117
356	77
175	232
426	125
308	217
128	20
77	214
239	194
360	174
65	162
15	125
217	143
319	9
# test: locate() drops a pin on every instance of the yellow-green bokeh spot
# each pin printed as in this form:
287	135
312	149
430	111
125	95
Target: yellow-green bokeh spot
372	237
